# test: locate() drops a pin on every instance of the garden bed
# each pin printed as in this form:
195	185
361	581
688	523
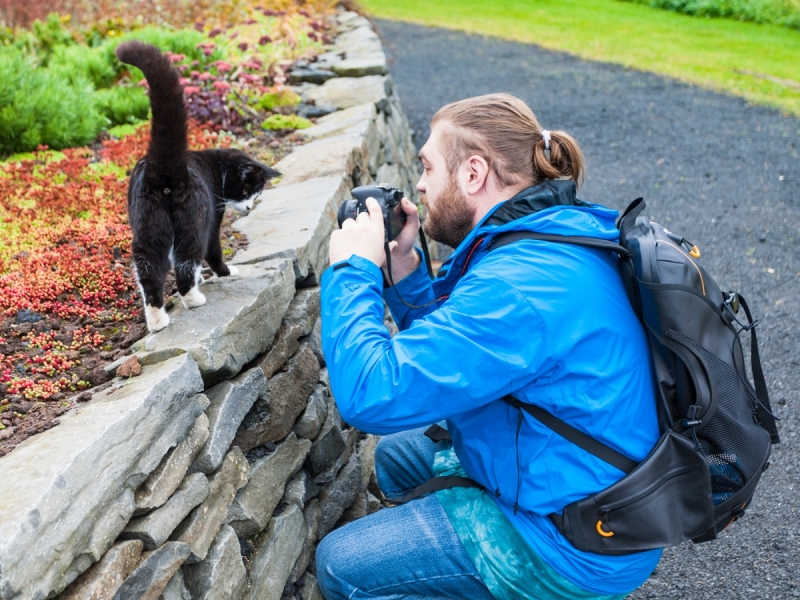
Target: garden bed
69	305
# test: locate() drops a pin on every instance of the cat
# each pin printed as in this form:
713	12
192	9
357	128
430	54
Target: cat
176	196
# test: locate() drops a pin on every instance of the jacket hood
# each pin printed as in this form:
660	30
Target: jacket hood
549	207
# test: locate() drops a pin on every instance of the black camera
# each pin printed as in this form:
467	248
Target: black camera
394	218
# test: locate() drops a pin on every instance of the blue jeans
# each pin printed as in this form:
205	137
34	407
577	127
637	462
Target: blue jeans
409	551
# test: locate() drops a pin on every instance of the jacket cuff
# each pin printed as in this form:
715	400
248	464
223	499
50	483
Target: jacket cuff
356	262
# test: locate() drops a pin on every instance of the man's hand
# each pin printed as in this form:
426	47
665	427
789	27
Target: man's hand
363	237
405	259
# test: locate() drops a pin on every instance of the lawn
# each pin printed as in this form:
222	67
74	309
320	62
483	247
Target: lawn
758	62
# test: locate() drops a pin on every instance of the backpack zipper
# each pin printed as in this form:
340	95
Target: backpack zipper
702	281
620	504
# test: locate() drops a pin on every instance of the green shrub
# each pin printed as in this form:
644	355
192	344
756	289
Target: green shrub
123	104
776	12
183	41
284	97
285	122
37	106
89	62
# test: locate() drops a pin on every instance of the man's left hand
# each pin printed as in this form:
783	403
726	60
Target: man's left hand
363	237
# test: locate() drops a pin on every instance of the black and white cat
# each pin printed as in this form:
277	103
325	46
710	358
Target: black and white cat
176	196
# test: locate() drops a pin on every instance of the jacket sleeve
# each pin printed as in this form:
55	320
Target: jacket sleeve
417	289
482	343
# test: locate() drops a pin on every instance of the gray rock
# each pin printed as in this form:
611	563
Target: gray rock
359	508
254	503
390	174
103	578
237	323
310	422
366	456
350	439
67	493
310	75
230	402
222	575
355	38
344	92
373	503
327	448
325	380
277	554
314	341
303	310
337	156
338	495
201	526
153	573
300	489
313	111
354	120
312	516
296	221
154	528
162	482
176	589
309	588
286	344
284	400
367	63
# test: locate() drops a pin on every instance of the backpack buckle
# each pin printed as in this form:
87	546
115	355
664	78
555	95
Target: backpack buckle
733	302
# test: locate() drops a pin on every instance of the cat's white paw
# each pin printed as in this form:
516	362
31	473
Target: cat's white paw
193	298
233	270
157	318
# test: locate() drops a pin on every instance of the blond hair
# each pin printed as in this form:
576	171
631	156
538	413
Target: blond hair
504	131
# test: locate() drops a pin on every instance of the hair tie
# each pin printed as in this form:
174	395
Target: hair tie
546	138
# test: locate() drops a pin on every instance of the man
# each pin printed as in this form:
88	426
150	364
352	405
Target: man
547	322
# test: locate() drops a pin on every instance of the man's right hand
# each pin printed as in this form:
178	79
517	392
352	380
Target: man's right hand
405	259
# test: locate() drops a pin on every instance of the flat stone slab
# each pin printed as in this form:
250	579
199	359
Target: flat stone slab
313	417
344	92
200	528
338	495
286	344
176	589
153	573
169	474
67	493
361	65
230	401
354	120
154	528
222	575
277	554
254	503
238	321
295	221
102	580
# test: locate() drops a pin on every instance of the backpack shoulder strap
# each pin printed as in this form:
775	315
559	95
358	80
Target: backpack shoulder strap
510	237
586	442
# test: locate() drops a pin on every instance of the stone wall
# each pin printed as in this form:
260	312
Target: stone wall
215	472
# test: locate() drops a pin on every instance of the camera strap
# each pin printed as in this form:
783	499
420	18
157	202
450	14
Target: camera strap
427	260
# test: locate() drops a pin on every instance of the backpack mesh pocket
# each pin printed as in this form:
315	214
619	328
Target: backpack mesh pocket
732	441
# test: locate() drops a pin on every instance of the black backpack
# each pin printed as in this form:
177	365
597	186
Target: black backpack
716	427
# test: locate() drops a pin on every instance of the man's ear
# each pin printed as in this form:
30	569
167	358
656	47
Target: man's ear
478	172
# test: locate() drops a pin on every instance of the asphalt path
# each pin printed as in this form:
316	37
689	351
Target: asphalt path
720	172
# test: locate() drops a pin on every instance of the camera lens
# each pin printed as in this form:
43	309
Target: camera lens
347	210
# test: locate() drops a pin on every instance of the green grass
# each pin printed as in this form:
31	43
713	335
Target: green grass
758	62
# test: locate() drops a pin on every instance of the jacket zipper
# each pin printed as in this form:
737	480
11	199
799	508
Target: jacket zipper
620	504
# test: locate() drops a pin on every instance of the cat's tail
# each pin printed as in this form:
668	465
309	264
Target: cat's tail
167	153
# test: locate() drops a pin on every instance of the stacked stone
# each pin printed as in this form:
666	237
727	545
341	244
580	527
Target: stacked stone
215	472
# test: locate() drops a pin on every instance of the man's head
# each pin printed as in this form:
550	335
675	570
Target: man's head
482	151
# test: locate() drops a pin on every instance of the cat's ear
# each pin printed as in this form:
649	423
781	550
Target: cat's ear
269	172
247	170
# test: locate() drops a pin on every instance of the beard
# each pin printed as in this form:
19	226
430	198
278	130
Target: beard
450	220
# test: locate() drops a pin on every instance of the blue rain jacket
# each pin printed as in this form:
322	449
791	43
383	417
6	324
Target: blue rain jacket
547	322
